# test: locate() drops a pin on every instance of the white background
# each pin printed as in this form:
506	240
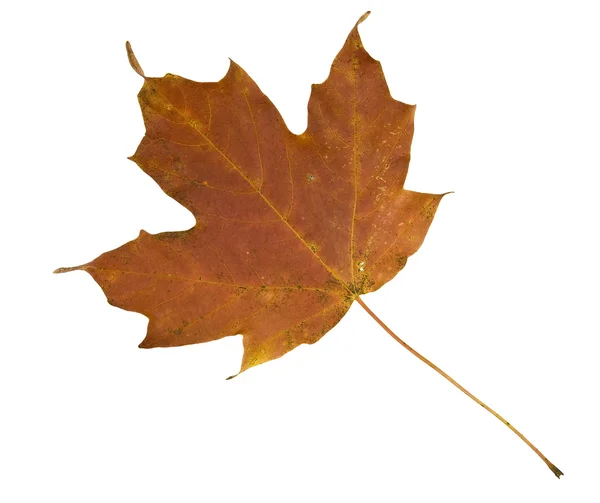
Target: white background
503	295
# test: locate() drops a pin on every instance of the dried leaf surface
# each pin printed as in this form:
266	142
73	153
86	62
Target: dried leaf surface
289	228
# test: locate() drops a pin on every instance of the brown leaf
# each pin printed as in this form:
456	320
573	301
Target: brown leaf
290	229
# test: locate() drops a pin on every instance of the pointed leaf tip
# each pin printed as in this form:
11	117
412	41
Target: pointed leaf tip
133	60
60	270
363	17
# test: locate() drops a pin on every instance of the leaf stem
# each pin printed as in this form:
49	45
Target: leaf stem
550	465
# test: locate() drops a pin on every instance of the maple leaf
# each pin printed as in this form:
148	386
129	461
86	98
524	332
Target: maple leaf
290	229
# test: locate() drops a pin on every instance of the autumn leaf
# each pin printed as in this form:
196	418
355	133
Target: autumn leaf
290	229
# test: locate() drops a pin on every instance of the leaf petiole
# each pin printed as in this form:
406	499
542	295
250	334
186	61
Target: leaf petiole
550	465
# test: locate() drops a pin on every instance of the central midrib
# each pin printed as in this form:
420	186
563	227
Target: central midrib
355	167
